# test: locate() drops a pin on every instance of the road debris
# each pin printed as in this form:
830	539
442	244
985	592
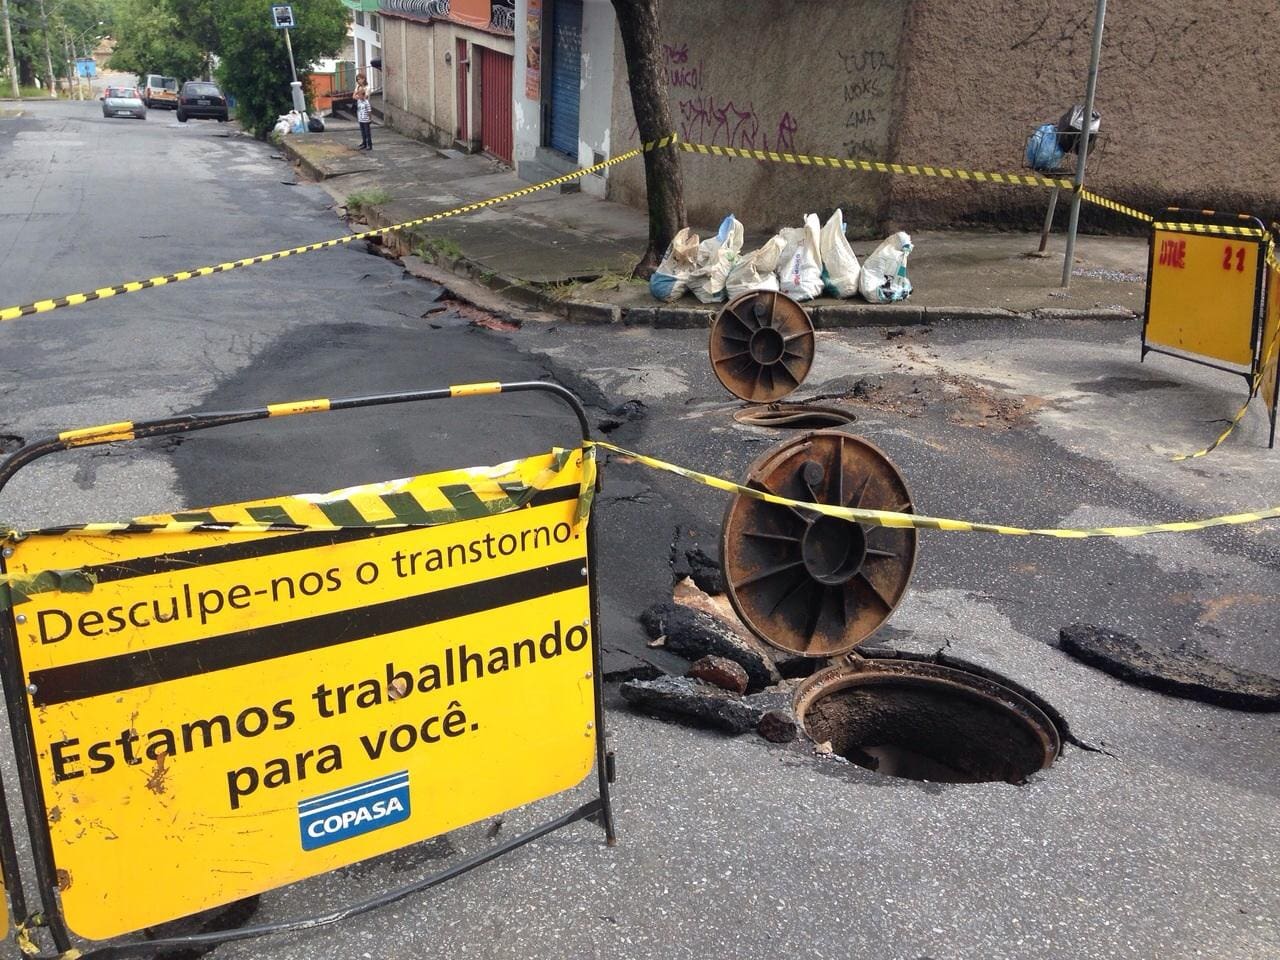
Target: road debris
1179	673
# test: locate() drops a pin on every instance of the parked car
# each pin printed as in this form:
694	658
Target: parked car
159	91
123	102
201	100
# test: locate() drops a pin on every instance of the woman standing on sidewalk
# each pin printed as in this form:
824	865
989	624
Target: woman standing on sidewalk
364	115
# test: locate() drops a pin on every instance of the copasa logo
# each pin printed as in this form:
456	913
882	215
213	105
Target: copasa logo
353	811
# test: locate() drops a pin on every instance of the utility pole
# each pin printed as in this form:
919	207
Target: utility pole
48	58
68	63
1099	17
8	44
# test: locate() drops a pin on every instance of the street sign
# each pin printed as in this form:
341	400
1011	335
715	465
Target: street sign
282	16
232	712
86	67
1204	291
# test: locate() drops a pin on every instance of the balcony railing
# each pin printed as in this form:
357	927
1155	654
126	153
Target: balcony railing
421	8
503	18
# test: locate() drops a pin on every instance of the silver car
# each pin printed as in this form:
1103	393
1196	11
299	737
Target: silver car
123	102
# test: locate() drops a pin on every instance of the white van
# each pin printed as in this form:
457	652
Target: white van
159	91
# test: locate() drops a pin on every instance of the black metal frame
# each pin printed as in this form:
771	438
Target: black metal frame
1211	218
599	809
1273	402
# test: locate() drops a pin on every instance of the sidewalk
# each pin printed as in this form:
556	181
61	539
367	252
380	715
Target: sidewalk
564	251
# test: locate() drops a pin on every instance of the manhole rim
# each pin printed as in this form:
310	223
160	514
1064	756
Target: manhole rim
871	671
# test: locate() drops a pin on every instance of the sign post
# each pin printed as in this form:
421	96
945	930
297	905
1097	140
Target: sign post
282	19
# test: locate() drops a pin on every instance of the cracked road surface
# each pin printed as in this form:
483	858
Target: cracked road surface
1158	839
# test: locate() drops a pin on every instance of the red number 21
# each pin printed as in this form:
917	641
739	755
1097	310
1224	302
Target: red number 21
1226	258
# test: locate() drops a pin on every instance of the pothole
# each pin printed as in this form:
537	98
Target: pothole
925	721
796	416
10	442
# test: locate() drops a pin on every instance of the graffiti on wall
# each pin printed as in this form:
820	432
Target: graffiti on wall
867	81
704	117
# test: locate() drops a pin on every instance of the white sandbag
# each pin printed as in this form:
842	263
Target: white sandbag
756	270
800	270
884	273
840	270
716	257
671	279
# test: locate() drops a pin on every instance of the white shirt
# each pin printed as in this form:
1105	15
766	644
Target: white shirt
364	113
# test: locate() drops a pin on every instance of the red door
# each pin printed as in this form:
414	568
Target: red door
464	128
495	103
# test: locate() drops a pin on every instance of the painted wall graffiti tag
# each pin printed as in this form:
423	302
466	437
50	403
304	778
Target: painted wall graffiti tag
681	73
704	119
868	82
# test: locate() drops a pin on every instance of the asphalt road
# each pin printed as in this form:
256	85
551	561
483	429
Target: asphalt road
1159	839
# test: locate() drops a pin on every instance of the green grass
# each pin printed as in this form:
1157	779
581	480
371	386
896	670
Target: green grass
363	199
432	249
608	280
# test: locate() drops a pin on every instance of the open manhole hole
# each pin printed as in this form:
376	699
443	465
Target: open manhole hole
795	416
924	721
817	585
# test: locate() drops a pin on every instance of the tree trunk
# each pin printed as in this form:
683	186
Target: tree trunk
642	44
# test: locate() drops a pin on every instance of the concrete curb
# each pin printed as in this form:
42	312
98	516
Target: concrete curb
309	168
699	316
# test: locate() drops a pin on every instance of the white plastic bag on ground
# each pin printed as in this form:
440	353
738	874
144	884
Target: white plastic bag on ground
840	270
800	270
671	279
716	257
884	273
756	270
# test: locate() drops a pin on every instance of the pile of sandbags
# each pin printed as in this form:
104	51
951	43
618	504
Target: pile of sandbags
803	262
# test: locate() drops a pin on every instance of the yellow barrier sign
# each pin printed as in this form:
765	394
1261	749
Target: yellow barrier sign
225	713
1270	382
1203	293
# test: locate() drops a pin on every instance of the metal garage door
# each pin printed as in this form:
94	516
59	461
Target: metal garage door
566	74
495	103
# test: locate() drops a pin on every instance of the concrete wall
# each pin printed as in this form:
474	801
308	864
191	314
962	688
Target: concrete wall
420	88
595	117
806	76
1187	95
527	111
595	111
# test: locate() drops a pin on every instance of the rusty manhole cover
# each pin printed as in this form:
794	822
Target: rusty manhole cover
810	584
762	346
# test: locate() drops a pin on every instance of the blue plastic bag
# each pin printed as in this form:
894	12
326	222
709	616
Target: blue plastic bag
1043	152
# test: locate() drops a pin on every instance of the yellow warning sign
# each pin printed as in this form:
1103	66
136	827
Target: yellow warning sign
1202	294
228	712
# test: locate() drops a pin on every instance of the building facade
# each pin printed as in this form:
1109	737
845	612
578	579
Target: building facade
1186	101
447	72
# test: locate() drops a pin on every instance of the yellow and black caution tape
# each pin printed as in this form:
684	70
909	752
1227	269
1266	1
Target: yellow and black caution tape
877	166
132	286
886	518
1211	229
1088	196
